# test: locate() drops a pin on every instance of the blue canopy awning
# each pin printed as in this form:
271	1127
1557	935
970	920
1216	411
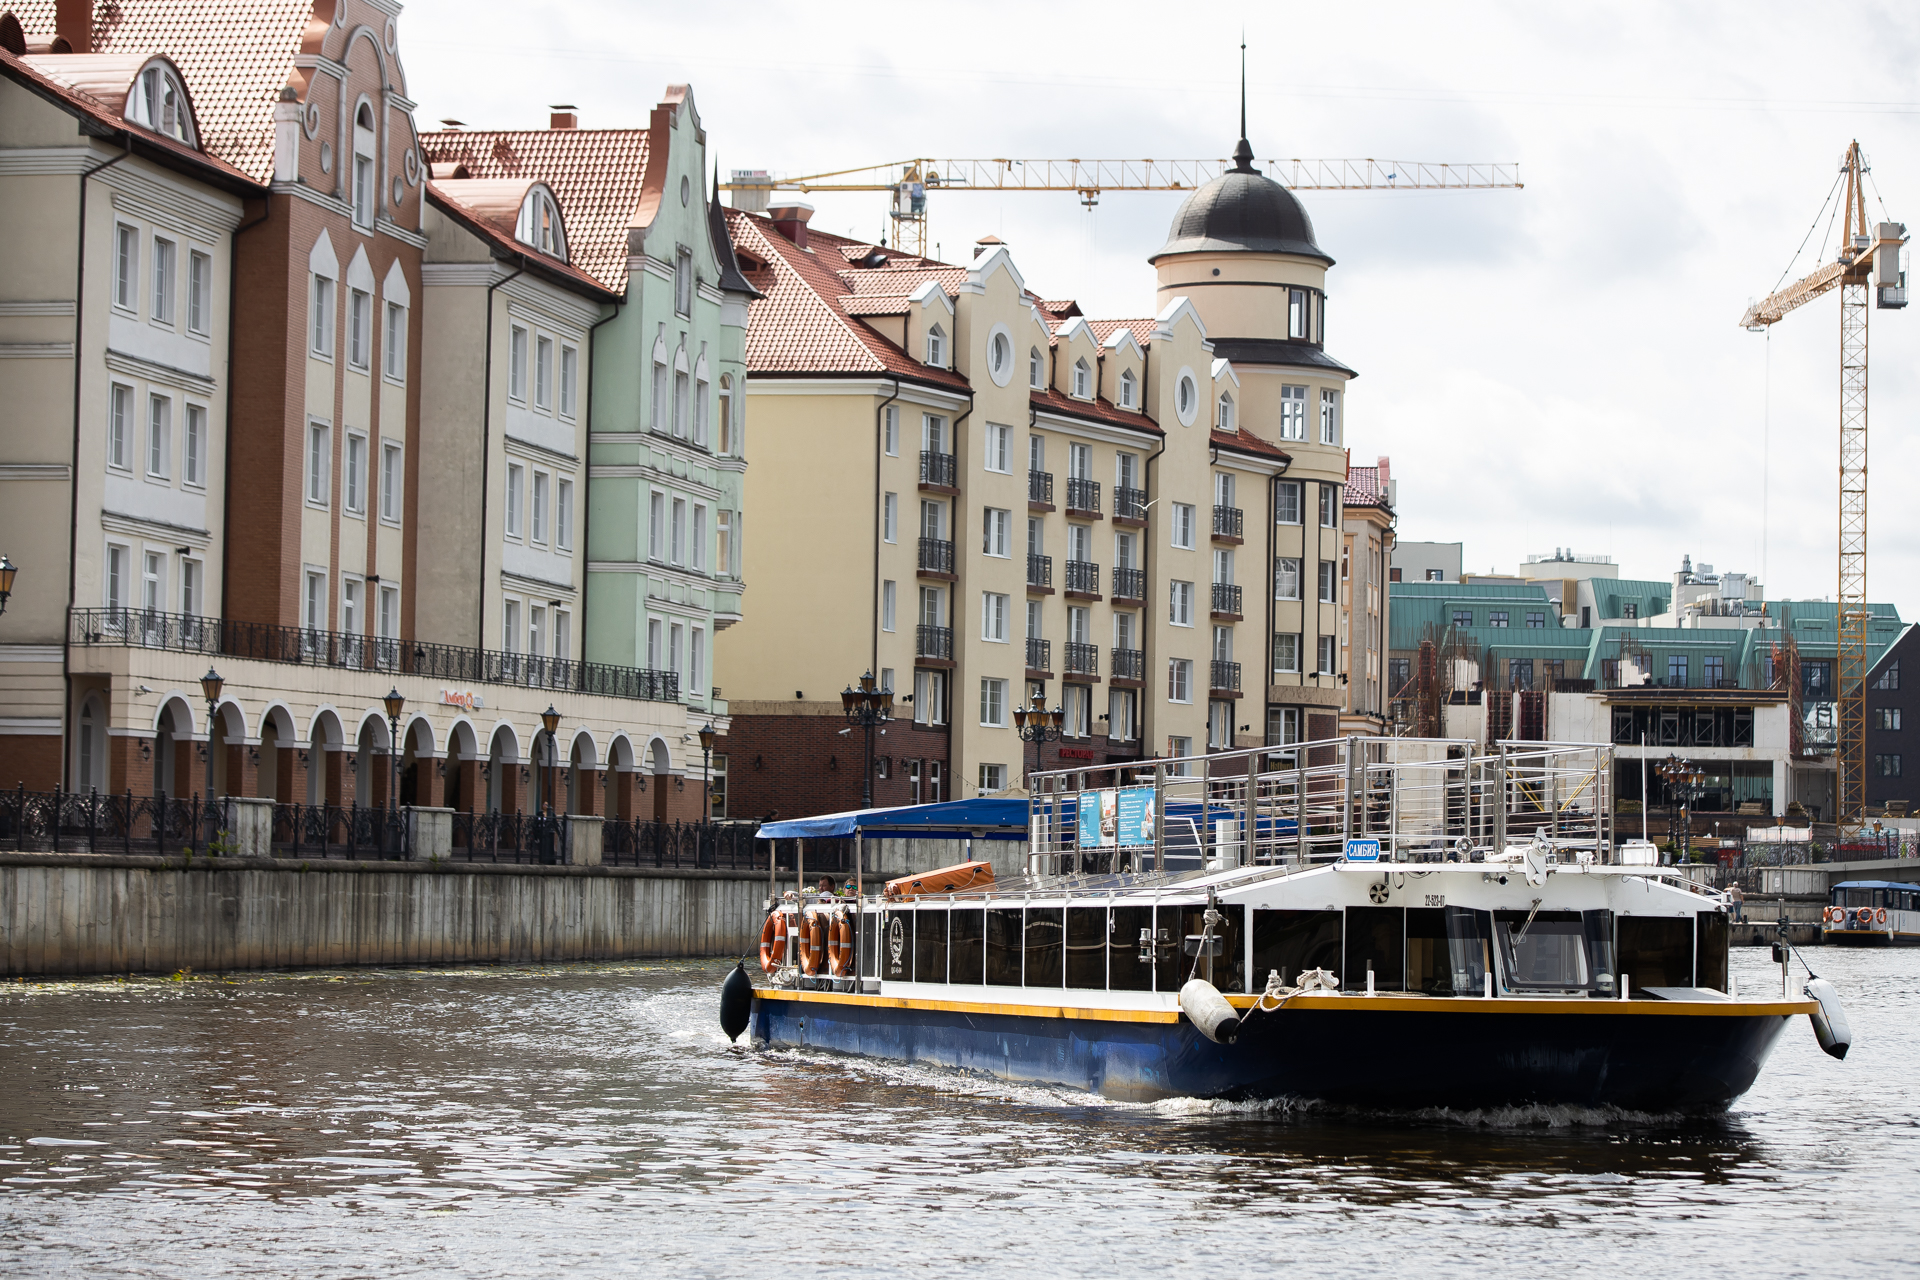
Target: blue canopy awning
984	819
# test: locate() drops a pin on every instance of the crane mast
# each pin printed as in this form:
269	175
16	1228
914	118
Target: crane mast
1866	263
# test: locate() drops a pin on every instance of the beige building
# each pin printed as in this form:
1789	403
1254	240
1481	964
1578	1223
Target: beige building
982	495
1366	569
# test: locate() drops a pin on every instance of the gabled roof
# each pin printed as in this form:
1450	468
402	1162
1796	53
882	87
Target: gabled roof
1363	487
1242	440
1055	402
596	174
234	55
501	243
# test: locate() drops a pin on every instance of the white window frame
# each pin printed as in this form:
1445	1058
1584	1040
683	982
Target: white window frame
996	533
393	475
723	543
683	282
1082	379
890	518
999	447
193	600
1286	578
354	464
1326	659
159	451
359	329
199	293
1127	384
126	268
569	380
1289	493
1329	416
1036	370
314	601
1180	681
1293	413
993	778
113	581
563	514
320	341
698	559
657	526
516	478
1179	603
929	696
395	343
166	260
1327	582
1329	506
543	372
890	431
517	336
677	532
993	702
993	617
1181	522
1225	419
153	581
510	624
937	347
193	447
539	495
319	463
119	426
889	604
1286	653
352	588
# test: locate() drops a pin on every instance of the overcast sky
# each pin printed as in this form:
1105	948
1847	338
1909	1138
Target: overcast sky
1558	366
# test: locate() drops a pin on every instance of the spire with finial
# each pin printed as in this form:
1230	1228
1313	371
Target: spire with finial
1243	152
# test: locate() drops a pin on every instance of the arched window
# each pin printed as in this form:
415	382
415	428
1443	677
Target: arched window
723	443
1226	412
937	347
1186	399
158	101
539	224
1000	356
1082	380
363	184
1128	386
1036	370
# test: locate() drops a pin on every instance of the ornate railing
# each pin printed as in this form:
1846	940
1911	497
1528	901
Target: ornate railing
1083	495
711	845
1128	664
1082	659
1226	598
1129	504
936	555
1228	522
539	838
306	646
1039	655
61	821
933	642
1039	570
1083	576
937	469
1129	584
339	831
1225	676
1040	487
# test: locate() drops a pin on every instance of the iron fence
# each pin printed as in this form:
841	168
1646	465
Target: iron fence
1039	570
60	821
1083	494
1129	584
1039	655
1083	577
340	831
707	845
1130	504
1040	487
937	469
936	556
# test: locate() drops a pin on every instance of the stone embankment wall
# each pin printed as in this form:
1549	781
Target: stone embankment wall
81	913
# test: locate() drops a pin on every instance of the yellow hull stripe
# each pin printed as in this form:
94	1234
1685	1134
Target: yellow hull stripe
1324	1003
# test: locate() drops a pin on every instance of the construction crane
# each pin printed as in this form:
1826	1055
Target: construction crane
1864	260
909	181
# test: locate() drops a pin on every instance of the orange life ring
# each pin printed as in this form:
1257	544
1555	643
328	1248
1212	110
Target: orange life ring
1866	915
773	942
813	942
1880	916
840	946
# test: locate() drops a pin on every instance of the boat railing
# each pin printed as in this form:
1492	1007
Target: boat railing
1354	798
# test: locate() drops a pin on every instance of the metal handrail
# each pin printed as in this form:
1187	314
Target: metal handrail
1039	570
1129	584
936	555
1082	494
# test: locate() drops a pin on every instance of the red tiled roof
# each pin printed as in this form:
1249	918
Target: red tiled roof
800	323
595	173
903	281
488	230
1363	487
235	55
890	305
1051	401
1244	441
1104	329
32	71
1064	309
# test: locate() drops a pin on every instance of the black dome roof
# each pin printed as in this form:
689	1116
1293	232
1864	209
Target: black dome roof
1242	210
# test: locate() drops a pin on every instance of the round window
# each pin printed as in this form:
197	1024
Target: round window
326	158
686	191
1002	352
399	190
1188	400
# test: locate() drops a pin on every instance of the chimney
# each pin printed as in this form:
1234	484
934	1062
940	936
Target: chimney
73	23
790	219
985	243
563	116
1386	474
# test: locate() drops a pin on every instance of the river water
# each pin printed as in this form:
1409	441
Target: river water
591	1120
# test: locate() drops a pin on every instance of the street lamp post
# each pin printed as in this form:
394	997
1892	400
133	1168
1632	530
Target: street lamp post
210	685
550	721
868	706
707	735
1038	725
395	704
7	569
1684	780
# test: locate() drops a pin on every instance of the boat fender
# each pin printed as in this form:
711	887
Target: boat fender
736	1002
1209	1011
1830	1019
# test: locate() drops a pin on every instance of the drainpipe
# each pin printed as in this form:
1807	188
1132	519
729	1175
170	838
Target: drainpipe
1273	562
1146	568
879	452
953	613
586	525
73	469
486	472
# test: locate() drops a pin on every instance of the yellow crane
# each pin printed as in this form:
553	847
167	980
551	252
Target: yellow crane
909	181
1865	260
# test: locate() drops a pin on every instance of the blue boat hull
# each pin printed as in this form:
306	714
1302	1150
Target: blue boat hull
1395	1057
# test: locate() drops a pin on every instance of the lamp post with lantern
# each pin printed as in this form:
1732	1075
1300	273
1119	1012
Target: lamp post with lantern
1036	724
395	704
550	724
1684	780
210	686
707	735
7	569
868	706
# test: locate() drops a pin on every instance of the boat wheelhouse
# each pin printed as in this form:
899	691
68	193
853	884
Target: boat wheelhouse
1384	921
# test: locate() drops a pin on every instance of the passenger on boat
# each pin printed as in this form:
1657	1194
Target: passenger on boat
826	886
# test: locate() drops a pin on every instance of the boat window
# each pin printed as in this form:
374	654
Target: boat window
1469	949
929	945
1656	951
1291	942
1376	936
1003	946
1229	967
871	924
1126	971
1043	946
1087	948
1429	961
966	944
1712	937
1542	951
1599	927
1169	965
896	947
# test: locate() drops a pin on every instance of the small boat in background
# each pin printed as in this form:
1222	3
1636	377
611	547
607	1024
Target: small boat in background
1872	913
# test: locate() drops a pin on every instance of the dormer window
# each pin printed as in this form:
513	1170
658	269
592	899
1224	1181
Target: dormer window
1128	385
158	101
539	224
1082	380
1226	412
937	347
363	185
1036	370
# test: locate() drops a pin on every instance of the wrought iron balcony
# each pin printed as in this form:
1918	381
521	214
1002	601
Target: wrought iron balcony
1226	600
306	646
1040	488
1129	664
1129	584
936	556
1228	524
1082	659
933	642
1083	578
1083	495
1040	571
1225	677
1130	504
937	469
1039	655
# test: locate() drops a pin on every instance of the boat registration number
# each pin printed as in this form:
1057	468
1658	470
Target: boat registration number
1436	899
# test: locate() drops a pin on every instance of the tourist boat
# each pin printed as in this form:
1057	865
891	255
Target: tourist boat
1375	921
1872	913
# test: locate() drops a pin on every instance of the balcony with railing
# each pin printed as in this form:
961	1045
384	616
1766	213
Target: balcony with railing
1040	574
1130	506
1083	497
936	558
1039	490
933	644
1129	584
1039	657
1082	660
1129	666
1229	525
306	646
938	472
1083	580
1226	601
1223	681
